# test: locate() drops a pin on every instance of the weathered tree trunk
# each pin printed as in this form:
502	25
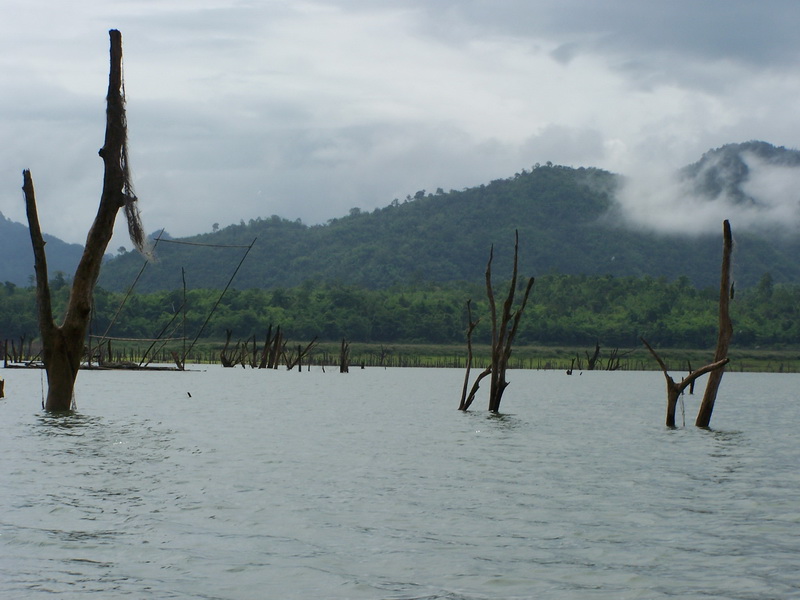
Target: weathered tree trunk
301	354
275	353
265	354
504	334
504	330
725	329
464	405
225	359
63	346
716	368
674	390
593	359
344	357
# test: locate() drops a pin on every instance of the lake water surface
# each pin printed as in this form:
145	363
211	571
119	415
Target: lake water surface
274	484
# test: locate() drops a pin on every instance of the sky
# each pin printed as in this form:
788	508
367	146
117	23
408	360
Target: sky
305	109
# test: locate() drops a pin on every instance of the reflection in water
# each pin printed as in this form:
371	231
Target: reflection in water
65	423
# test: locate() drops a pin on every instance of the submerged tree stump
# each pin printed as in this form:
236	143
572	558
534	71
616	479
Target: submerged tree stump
504	330
716	368
725	332
63	346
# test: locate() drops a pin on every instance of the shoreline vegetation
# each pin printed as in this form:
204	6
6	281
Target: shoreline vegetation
544	358
424	325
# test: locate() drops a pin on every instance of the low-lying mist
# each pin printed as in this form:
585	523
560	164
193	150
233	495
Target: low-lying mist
753	193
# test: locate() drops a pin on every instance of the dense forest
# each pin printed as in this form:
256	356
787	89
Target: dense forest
571	310
565	217
568	219
403	273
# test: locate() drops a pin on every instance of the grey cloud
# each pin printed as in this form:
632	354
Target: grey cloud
234	113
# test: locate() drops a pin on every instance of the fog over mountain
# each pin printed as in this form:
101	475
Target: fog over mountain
754	185
572	220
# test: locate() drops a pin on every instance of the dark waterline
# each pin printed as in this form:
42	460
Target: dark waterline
373	485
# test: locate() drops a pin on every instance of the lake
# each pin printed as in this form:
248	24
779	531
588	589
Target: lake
372	485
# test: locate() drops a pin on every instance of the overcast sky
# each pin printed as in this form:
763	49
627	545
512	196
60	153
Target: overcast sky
305	109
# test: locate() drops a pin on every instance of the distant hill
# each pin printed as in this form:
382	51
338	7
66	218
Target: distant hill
725	171
568	221
16	255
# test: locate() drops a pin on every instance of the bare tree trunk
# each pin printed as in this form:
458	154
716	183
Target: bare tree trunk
464	405
725	329
674	390
301	354
344	357
63	346
593	359
504	330
504	334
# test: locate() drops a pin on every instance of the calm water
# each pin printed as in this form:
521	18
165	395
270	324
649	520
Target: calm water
271	484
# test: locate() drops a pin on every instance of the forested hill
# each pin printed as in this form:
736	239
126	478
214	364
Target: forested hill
16	253
566	219
563	216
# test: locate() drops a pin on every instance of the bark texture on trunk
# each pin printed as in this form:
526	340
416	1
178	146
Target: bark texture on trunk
63	346
674	390
504	330
716	368
725	329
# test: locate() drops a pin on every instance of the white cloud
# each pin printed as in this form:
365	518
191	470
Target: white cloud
661	201
305	109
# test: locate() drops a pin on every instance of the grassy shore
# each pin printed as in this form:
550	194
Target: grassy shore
560	358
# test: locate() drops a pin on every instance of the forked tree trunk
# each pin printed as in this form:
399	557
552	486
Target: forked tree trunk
504	330
63	346
716	368
465	402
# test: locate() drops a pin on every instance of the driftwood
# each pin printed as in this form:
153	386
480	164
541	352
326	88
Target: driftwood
504	330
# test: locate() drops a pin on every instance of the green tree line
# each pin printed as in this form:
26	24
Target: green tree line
570	310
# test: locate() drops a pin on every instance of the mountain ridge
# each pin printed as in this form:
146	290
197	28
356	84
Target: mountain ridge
568	219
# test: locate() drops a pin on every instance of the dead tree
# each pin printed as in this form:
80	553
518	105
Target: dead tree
344	357
592	360
262	364
297	359
504	330
464	405
613	362
278	346
272	349
716	368
725	332
674	390
230	359
63	345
